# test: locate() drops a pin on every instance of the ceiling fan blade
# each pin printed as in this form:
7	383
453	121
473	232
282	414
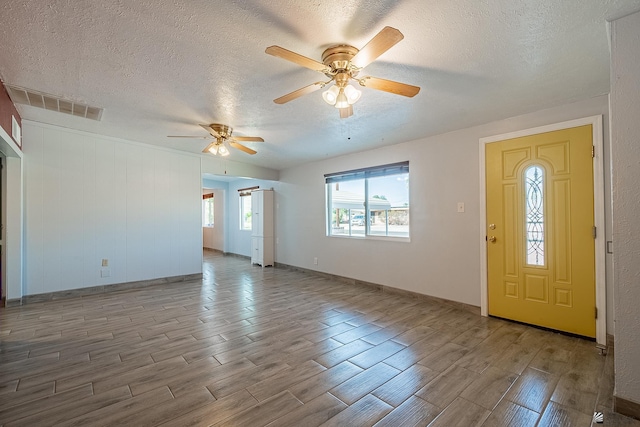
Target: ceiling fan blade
242	147
378	45
248	138
188	136
206	150
296	58
346	112
298	93
211	131
389	86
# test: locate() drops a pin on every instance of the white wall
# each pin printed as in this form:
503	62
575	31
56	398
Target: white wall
89	198
443	257
625	142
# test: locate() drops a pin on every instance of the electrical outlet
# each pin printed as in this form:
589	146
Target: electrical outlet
105	272
315	261
105	262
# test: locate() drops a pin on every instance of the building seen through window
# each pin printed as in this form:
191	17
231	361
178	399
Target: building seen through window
369	202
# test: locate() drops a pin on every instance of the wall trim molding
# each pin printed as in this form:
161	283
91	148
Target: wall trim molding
236	255
368	285
102	289
382	288
626	407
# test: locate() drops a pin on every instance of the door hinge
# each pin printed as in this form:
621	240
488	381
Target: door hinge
594	231
596	308
593	151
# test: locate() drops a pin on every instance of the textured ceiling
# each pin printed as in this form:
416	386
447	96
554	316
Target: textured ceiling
162	67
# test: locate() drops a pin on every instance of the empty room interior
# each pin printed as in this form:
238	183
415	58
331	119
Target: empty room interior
290	213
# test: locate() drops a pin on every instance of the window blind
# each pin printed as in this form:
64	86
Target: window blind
370	172
247	191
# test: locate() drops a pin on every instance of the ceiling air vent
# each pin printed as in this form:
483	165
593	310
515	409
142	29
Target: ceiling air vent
20	95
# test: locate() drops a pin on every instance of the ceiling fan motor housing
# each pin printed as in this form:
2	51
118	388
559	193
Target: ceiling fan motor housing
223	130
338	59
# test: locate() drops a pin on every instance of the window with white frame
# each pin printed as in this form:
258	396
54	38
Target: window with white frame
207	210
369	202
245	207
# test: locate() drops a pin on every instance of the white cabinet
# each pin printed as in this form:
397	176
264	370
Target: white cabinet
262	250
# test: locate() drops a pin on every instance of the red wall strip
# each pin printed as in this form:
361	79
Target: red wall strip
7	109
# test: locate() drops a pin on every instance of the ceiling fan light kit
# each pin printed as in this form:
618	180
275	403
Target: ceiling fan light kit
341	100
341	97
331	95
352	94
342	63
217	148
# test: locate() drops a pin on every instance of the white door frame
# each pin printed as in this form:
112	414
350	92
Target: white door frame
12	217
598	188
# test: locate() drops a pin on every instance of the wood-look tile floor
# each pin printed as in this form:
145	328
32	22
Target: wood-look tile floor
248	346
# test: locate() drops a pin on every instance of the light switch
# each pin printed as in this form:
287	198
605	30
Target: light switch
460	206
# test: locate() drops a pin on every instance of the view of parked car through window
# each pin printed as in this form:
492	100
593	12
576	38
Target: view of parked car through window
382	197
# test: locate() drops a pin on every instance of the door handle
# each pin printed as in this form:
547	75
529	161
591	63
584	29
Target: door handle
492	239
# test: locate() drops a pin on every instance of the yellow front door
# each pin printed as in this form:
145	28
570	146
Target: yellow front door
540	225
